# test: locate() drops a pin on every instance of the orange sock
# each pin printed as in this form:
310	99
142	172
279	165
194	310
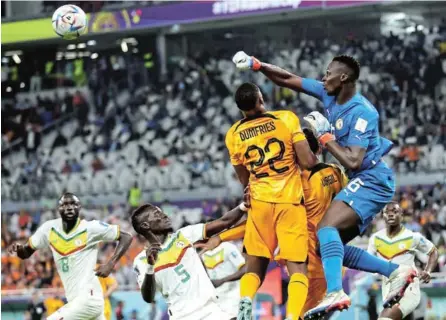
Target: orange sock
297	295
249	284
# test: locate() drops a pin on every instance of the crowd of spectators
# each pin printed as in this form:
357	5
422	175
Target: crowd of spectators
25	119
181	122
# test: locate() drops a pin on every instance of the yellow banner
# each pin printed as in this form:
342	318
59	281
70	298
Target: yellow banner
28	30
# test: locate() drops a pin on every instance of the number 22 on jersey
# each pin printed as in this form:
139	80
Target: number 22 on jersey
263	152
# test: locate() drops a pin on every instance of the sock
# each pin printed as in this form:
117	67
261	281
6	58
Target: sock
249	284
359	259
297	294
332	254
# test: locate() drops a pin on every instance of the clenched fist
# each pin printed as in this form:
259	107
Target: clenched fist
244	62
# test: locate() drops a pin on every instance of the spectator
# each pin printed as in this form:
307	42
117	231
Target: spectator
97	164
75	166
81	108
32	138
134	196
411	155
24	220
36	309
67	167
119	312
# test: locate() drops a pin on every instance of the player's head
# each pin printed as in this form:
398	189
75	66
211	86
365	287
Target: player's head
393	214
249	99
342	70
69	207
312	141
150	218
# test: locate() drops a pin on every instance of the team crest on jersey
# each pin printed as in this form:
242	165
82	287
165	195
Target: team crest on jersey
180	244
78	242
339	124
402	246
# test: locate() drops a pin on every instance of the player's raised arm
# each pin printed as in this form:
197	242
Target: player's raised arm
234	233
226	221
148	286
279	76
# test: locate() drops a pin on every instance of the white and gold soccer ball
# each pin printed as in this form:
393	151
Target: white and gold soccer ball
69	22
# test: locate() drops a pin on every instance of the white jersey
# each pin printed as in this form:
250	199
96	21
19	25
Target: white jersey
221	262
75	253
399	249
179	273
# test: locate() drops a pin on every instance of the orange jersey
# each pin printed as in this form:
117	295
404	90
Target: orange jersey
264	145
320	184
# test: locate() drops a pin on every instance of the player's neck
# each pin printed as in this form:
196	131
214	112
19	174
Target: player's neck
68	226
394	230
346	94
253	113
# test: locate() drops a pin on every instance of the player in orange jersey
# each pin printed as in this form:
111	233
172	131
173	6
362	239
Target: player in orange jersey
109	285
268	151
320	185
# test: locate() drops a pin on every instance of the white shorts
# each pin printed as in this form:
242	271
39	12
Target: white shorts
411	298
230	306
85	307
210	311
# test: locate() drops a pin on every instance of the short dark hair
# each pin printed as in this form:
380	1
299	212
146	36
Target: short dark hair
246	96
136	214
68	194
312	141
351	63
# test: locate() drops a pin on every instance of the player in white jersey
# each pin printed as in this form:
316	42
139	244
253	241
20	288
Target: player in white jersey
400	245
171	264
74	244
225	266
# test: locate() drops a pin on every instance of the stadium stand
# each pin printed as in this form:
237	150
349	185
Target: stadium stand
171	136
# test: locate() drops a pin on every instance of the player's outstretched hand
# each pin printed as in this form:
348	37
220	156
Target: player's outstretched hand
318	123
425	276
244	62
13	248
104	270
212	243
152	253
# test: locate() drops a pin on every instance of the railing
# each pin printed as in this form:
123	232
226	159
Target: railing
48	127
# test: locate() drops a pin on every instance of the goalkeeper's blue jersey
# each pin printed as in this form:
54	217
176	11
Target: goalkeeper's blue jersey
355	123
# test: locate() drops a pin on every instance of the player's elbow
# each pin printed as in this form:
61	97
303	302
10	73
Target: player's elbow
126	238
147	297
434	253
306	163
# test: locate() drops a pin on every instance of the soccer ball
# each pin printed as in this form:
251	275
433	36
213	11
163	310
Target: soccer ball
69	22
